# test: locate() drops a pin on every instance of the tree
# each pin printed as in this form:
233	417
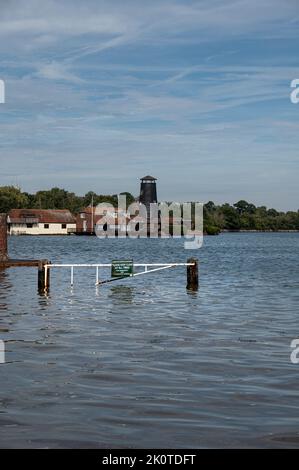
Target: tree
129	197
91	196
11	197
210	206
55	198
244	207
232	219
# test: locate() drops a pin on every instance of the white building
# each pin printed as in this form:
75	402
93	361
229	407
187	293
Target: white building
40	222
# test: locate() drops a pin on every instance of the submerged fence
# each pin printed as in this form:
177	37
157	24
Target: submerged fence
120	269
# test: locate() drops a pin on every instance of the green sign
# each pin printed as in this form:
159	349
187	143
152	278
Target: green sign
122	268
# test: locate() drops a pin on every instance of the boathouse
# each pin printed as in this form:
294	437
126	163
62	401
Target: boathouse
40	222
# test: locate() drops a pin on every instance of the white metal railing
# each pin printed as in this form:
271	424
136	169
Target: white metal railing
155	267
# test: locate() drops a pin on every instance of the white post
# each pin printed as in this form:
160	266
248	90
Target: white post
46	275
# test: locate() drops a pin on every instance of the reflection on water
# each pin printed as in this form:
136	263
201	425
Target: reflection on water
121	294
144	363
4	290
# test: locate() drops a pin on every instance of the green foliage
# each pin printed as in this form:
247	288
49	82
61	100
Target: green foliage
55	198
240	216
129	197
246	216
212	230
12	198
231	217
243	207
96	199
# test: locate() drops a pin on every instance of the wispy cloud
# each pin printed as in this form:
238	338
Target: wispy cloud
57	71
193	91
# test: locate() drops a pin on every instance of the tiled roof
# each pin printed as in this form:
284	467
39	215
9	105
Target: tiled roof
43	216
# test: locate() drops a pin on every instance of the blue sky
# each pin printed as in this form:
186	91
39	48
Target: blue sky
197	93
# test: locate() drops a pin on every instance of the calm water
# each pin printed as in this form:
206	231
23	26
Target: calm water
143	363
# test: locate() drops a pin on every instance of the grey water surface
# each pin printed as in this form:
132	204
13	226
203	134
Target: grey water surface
142	363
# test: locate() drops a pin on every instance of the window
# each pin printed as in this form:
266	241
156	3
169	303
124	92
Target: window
46	225
29	225
63	225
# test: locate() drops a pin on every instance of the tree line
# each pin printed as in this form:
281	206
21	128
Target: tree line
246	216
240	216
12	197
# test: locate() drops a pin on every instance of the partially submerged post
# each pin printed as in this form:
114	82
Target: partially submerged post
192	274
3	238
6	262
43	276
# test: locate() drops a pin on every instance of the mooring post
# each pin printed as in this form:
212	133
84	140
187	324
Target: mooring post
192	274
3	237
43	276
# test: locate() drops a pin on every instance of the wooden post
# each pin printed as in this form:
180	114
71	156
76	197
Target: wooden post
3	237
192	274
43	277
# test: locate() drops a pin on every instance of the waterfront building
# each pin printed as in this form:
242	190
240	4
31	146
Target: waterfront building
40	222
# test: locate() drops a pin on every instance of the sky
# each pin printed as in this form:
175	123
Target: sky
196	93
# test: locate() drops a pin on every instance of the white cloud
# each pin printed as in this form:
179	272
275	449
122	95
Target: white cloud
57	71
110	24
100	89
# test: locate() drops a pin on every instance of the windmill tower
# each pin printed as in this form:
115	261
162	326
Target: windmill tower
148	196
148	191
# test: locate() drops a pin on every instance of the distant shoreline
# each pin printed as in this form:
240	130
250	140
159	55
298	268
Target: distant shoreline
259	231
205	234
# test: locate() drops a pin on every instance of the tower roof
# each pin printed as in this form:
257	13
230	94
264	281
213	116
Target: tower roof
148	177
